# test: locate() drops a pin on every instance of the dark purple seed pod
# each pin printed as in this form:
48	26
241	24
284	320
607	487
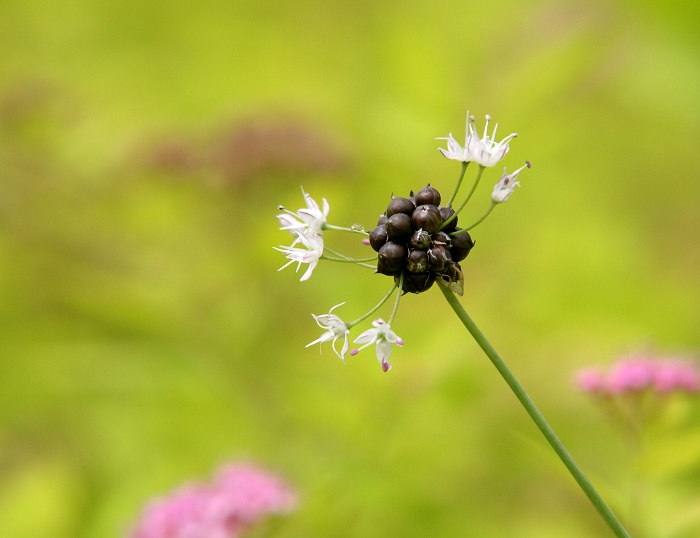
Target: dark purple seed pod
427	217
446	213
400	205
441	238
428	195
417	261
381	270
399	227
382	220
461	246
378	237
416	282
420	239
438	256
392	256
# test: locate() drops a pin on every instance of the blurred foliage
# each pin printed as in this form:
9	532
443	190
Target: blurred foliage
147	337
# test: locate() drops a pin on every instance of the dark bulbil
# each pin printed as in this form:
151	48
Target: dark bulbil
411	245
461	245
399	227
400	205
427	217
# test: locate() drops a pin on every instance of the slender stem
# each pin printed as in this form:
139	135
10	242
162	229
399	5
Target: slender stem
477	222
398	298
343	258
459	183
348	260
535	415
373	310
476	182
327	226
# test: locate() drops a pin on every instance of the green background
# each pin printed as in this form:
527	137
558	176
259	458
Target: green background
147	336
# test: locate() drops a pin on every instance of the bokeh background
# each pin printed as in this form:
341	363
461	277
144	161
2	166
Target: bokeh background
147	336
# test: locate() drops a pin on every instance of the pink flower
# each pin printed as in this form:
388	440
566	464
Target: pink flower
632	375
590	380
673	375
240	496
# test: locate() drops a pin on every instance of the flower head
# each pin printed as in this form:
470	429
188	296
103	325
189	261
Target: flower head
384	337
486	151
309	220
335	328
240	496
506	185
638	374
311	254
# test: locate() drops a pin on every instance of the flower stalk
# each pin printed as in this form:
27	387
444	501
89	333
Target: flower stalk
600	505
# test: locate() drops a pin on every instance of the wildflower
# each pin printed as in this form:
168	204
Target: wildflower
485	151
240	496
309	220
310	255
335	329
591	380
636	374
673	375
505	187
454	151
384	337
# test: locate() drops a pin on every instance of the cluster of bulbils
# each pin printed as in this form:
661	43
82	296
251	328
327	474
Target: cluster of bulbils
417	241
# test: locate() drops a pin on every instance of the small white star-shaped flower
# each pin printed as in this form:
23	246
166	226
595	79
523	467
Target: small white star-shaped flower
335	328
311	254
309	220
505	187
486	151
384	337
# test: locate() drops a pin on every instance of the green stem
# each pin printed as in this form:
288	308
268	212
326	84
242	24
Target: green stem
327	226
477	222
476	182
398	298
535	415
348	260
368	314
343	258
459	183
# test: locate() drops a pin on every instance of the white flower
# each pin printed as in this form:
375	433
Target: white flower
311	254
505	187
335	329
384	337
486	151
454	151
309	220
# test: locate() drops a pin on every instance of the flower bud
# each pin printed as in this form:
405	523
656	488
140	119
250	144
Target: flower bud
427	217
461	245
378	237
416	282
400	205
446	213
391	256
399	227
428	195
420	239
417	261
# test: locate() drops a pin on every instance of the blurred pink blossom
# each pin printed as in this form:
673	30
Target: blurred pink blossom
636	374
240	496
